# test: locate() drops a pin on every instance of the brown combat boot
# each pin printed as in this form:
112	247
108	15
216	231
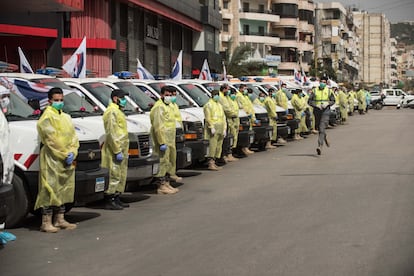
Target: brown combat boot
47	224
212	165
175	190
61	223
163	188
231	158
270	146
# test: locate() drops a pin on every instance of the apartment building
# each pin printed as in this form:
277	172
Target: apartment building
375	47
394	62
117	32
336	41
277	30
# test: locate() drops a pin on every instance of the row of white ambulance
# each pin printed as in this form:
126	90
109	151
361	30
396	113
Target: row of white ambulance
85	101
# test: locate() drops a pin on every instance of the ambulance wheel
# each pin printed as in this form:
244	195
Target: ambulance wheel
18	211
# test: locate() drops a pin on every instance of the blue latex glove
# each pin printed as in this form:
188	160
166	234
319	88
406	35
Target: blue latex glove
249	116
303	114
69	158
287	111
6	237
163	147
119	157
257	121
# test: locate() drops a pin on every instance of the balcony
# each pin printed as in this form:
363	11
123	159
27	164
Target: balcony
285	2
331	22
225	37
259	16
226	14
288	66
305	5
265	38
286	22
305	27
288	42
305	47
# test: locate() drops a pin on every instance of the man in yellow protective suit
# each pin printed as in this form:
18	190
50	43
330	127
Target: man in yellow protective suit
214	129
273	94
163	131
343	104
270	106
233	122
299	105
244	103
115	150
321	101
281	98
57	171
351	99
362	101
231	115
177	115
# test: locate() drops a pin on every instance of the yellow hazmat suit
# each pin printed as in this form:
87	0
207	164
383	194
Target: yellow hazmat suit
343	105
281	99
116	141
214	128
245	104
233	121
56	179
362	101
299	105
270	106
177	114
351	98
163	131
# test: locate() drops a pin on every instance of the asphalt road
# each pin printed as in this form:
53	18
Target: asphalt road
280	212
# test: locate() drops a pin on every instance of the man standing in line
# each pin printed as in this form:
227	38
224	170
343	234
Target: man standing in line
115	150
321	101
163	131
244	104
231	116
270	106
177	115
57	171
214	129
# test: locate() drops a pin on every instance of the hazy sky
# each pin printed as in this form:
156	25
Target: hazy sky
394	10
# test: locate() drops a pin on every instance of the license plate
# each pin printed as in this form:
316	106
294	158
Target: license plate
231	141
99	184
155	168
207	150
251	139
288	130
270	133
188	156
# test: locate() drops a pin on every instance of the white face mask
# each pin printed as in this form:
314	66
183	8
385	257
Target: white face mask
4	102
167	99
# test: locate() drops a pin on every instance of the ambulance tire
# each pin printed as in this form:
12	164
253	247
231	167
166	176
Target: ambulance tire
18	211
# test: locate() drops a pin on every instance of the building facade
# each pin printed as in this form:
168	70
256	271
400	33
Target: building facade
336	44
280	30
375	47
117	32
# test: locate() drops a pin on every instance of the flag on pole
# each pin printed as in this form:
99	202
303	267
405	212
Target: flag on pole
305	79
24	64
177	71
76	64
143	73
205	72
298	77
224	73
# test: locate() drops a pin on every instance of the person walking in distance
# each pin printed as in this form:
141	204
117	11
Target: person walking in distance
321	101
57	171
163	131
115	150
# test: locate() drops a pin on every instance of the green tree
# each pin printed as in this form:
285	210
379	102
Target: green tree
235	61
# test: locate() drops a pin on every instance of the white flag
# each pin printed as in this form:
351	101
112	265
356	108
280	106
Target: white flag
24	64
76	64
143	73
177	71
224	73
205	72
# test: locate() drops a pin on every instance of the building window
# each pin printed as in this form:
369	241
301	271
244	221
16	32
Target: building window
261	30
333	48
285	10
261	8
246	29
245	7
225	5
226	28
